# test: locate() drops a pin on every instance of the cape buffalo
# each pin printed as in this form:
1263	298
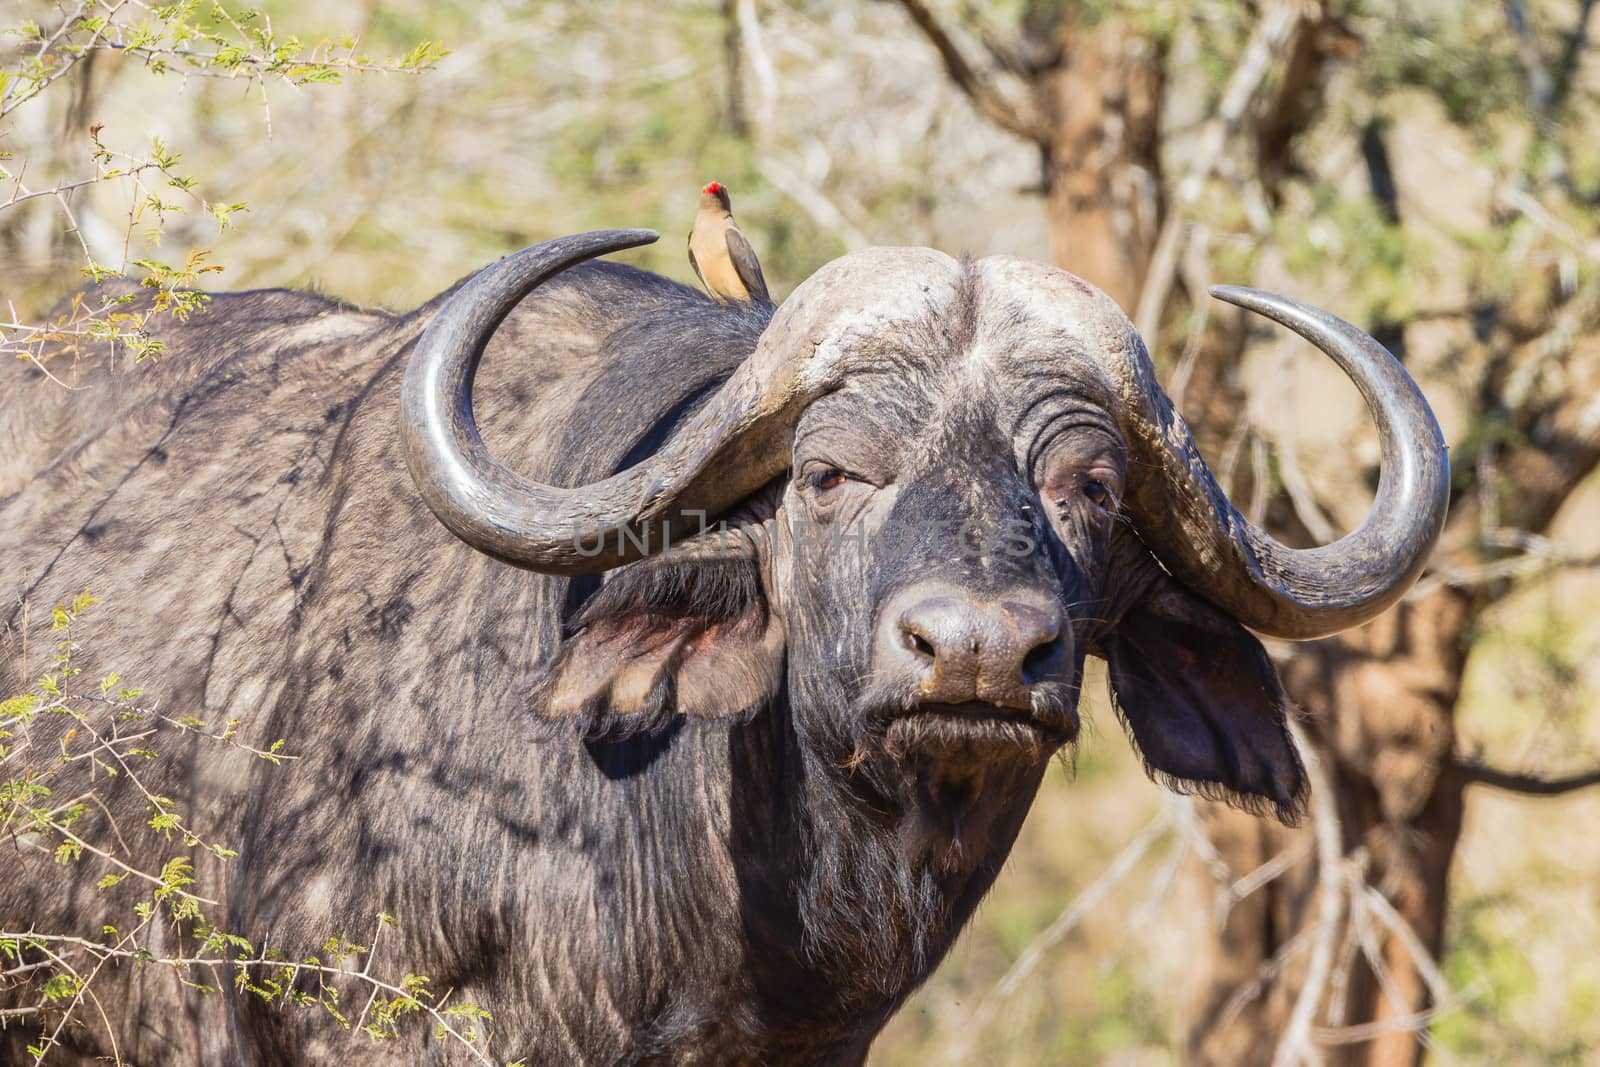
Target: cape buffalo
648	789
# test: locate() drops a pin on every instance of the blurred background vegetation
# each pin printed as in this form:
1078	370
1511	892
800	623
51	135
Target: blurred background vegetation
1427	168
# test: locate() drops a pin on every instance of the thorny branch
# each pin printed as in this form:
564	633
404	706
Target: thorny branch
20	90
165	38
254	53
283	971
53	726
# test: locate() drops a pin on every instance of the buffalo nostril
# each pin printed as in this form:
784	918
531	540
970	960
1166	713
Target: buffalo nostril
1039	660
917	643
1037	630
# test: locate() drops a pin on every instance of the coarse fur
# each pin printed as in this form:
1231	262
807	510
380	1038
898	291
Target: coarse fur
679	814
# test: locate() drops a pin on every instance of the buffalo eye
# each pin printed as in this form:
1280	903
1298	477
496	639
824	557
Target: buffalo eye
824	479
1098	494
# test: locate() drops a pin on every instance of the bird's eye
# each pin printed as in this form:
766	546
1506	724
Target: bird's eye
824	479
1097	493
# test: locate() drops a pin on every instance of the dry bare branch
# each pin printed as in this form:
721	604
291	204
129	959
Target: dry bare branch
1295	1045
1298	489
1196	270
760	65
1540	555
1267	973
1541	87
1528	784
1269	871
1271	39
1186	820
959	1049
1010	116
1260	482
1412	1022
784	176
812	201
1399	928
1507	193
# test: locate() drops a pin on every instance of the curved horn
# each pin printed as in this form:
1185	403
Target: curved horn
712	462
1306	593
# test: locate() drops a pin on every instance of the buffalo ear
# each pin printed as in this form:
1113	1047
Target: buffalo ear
693	638
1203	704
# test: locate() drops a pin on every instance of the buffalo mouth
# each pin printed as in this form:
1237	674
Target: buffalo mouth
979	730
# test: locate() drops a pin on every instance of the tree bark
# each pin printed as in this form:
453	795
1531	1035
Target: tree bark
1102	103
1091	103
1379	704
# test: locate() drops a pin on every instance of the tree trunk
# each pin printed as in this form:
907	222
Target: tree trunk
1102	103
1379	704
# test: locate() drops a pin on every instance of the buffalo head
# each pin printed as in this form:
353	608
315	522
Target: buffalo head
944	484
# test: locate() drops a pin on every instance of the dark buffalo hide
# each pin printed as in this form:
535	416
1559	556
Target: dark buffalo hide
678	813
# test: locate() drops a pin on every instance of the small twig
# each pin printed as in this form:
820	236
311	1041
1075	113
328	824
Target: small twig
109	858
1417	1022
10	101
760	65
1269	871
1161	884
131	937
1271	39
1196	268
1527	784
251	67
1540	85
812	201
61	30
25	968
1294	1046
1572	50
1534	562
990	103
1232	449
105	952
1052	935
20	194
366	968
1535	212
14	1013
1299	491
1396	924
1186	821
1260	482
785	178
1269	970
1372	951
1339	984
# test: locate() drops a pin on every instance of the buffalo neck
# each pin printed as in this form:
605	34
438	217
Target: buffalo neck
857	877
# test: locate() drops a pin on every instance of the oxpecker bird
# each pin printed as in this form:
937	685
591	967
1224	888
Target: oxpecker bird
720	255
